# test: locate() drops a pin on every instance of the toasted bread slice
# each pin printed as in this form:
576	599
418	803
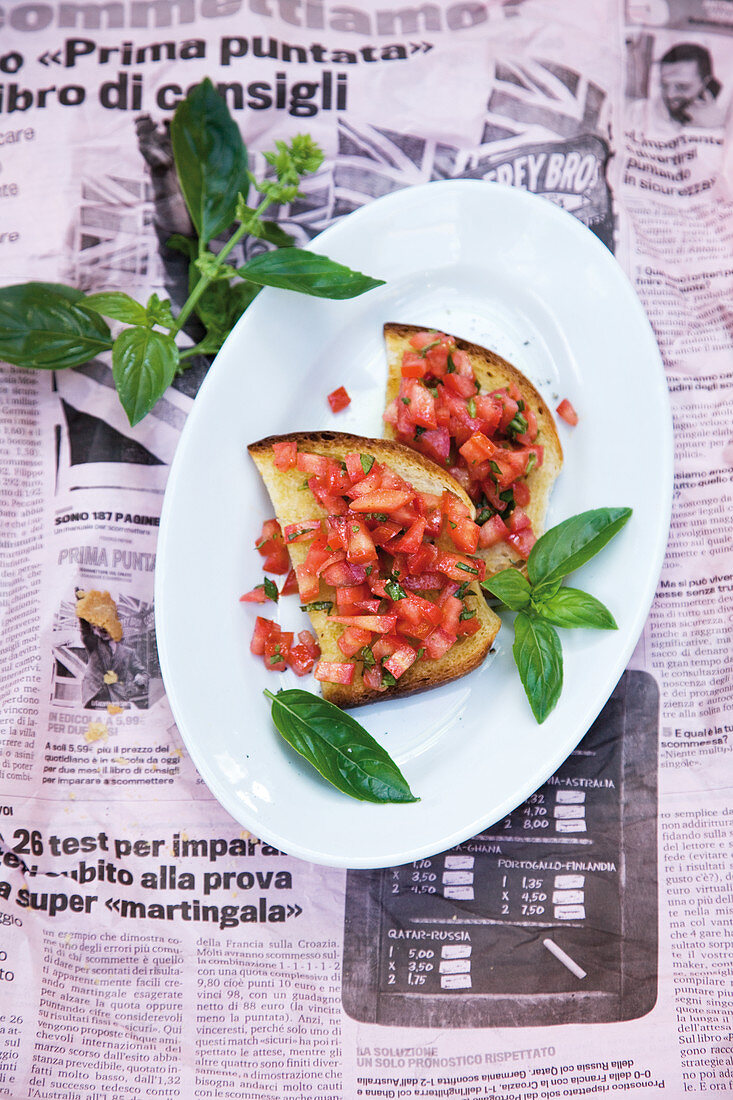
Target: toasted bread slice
492	373
293	504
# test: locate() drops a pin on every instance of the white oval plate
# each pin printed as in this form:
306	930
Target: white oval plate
512	272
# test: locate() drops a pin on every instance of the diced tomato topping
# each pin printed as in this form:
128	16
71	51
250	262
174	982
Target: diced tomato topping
260	635
413	366
285	454
382	500
353	639
308	584
277	650
492	532
372	678
307	639
255	595
335	672
299	532
300	660
403	656
488	441
566	411
360	547
374	562
379	624
338	399
290	585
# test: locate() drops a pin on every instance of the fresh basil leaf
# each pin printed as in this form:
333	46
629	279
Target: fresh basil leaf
511	587
210	158
303	271
572	607
119	306
572	543
44	325
143	365
538	655
338	747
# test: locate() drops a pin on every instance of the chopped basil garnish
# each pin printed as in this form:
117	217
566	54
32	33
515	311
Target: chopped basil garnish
317	605
461	592
388	678
394	589
367	461
466	614
424	350
405	400
519	425
366	655
531	462
451	368
419	430
466	568
271	590
471	404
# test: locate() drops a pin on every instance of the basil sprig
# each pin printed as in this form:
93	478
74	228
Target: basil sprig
542	603
338	747
51	326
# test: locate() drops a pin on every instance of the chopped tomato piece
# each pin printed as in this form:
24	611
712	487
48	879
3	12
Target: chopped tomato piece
360	546
372	678
298	532
382	500
285	454
335	672
307	639
277	650
567	412
290	585
398	663
255	595
353	639
478	448
301	660
308	584
492	532
277	561
338	399
379	624
262	631
413	365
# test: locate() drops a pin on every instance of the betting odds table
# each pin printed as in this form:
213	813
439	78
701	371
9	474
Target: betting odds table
548	916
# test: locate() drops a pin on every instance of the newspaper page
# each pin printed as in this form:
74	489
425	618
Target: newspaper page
150	947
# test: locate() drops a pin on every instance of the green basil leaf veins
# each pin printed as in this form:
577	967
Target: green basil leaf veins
572	543
144	363
119	306
538	656
511	587
44	325
338	747
210	158
570	607
306	272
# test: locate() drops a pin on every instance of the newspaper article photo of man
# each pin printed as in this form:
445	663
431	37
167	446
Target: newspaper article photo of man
678	91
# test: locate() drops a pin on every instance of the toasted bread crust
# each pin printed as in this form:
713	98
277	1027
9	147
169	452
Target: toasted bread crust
293	505
492	372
